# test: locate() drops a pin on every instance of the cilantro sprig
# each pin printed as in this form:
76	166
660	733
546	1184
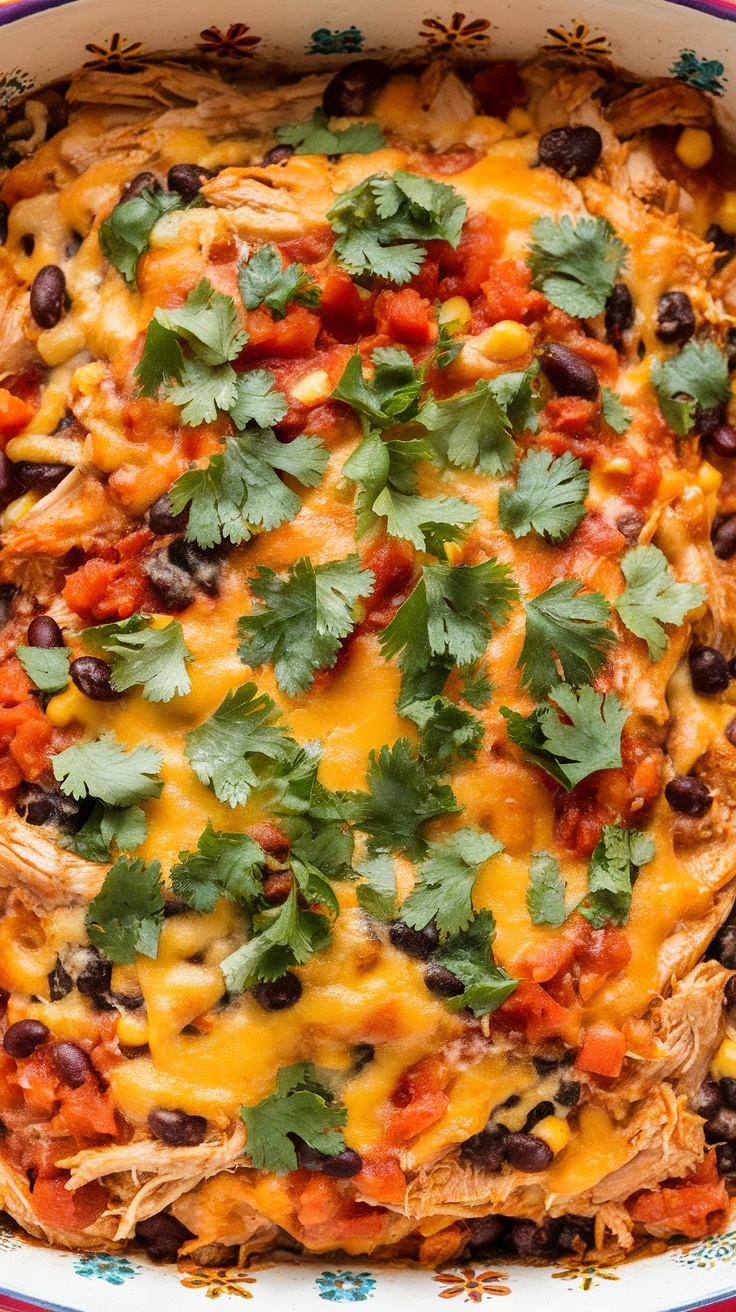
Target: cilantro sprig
545	894
104	769
474	430
237	749
315	137
377	894
382	223
300	1105
155	658
303	619
283	936
571	752
263	280
567	624
696	378
224	865
47	667
124	826
444	887
128	912
389	396
653	597
469	955
403	793
576	265
448	731
613	867
549	496
126	233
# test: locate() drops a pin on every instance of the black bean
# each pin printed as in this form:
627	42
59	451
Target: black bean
22	1038
707	1101
724	538
688	796
532	1240
420	943
728	1092
538	1114
525	1152
94	977
39	805
129	1001
568	373
279	993
486	1149
72	1063
177	1128
4	216
161	517
7	595
709	419
573	1229
675	317
342	1166
568	1093
571	152
28	244
141	182
132	1053
44	632
172	585
276	155
204	565
361	1056
8	486
73	245
545	1065
729	993
723	441
723	949
60	982
709	672
162	1236
68	420
175	906
485	1230
722	241
726	1158
187	179
721	1126
350	90
630	526
91	675
48	292
619	316
40	477
441	981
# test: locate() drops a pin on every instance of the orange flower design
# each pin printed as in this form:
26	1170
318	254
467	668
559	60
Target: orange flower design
220	1281
447	36
473	1285
233	44
115	57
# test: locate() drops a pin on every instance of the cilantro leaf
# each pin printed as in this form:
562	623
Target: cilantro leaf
576	266
154	658
387	478
382	223
128	912
256	401
283	936
391	396
653	597
105	770
160	361
126	826
612	868
696	377
616	414
449	344
545	894
235	750
568	624
476	687
469	956
315	137
239	490
444	888
402	794
265	281
473	431
301	1106
450	614
224	865
304	619
203	391
448	732
377	895
295	789
47	667
549	496
571	752
207	322
125	234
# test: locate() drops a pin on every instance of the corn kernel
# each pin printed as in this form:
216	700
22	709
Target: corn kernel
16	510
694	147
519	120
726	216
506	340
618	465
88	377
312	388
454	553
723	1065
132	1030
554	1131
68	706
159	621
709	479
456	310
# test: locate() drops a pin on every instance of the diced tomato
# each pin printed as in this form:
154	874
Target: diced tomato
602	1051
12	717
295	335
392	564
346	315
426	281
383	1180
133	543
499	88
86	1112
418	1101
463	271
104	590
14	682
640	487
693	1206
405	316
10	775
509	293
571	414
596	535
30	748
310	248
543	961
14	415
57	1206
531	1009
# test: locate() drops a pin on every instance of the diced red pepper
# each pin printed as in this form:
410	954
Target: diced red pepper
602	1051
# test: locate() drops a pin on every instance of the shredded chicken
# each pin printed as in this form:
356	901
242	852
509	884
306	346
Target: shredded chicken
45	876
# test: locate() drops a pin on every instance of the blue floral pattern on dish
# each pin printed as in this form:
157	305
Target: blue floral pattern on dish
345	1286
706	1253
105	1266
346	42
705	74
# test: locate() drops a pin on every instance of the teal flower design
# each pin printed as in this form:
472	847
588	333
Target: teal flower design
705	74
345	1286
346	42
105	1266
716	1248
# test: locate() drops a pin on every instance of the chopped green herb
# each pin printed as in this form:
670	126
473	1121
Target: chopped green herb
315	137
377	895
696	378
616	414
47	667
224	865
390	396
104	769
567	624
612	869
449	733
302	1106
469	956
208	323
444	888
549	496
402	794
265	281
283	936
449	344
571	752
128	912
126	233
576	265
545	894
477	688
126	826
236	750
156	658
653	597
